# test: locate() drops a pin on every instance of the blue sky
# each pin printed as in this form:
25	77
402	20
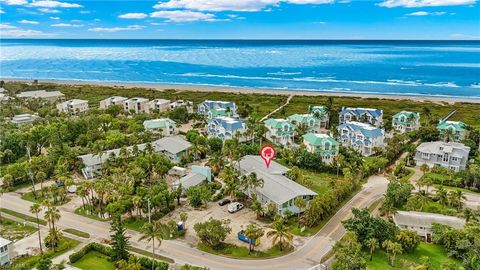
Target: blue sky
242	19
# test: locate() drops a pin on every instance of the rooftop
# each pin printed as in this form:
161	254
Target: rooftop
158	123
40	94
319	139
4	242
457	149
421	219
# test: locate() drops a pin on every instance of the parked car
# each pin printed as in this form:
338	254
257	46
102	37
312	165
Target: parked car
223	202
234	207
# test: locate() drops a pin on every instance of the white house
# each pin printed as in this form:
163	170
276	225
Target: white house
162	105
406	121
111	101
421	222
450	155
182	103
41	94
197	176
210	108
277	188
364	115
361	136
73	106
280	131
226	128
137	105
164	126
5	252
22	119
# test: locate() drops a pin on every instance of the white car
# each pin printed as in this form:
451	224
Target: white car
234	207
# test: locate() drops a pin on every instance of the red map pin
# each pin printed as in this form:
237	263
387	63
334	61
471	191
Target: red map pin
268	153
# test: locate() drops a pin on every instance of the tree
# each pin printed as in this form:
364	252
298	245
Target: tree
45	263
151	232
372	244
408	239
348	254
301	204
441	195
280	234
183	218
212	232
258	208
366	226
392	249
253	233
199	195
36	209
119	239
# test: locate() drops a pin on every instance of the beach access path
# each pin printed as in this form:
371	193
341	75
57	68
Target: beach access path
277	109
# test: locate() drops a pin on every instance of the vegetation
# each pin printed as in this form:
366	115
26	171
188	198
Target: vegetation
13	230
23	216
233	251
212	232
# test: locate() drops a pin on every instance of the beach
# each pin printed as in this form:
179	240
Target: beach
203	88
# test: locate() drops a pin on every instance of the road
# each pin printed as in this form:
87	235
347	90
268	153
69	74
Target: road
305	257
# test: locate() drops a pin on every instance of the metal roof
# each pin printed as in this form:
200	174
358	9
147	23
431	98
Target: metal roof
421	219
440	147
366	129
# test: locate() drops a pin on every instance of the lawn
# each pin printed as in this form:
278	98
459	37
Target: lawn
321	182
233	251
134	223
82	212
149	254
39	199
13	230
77	233
94	260
436	253
23	216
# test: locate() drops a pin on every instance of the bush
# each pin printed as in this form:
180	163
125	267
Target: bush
74	257
146	263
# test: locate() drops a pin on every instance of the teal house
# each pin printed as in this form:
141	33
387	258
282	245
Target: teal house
455	130
165	126
323	144
308	120
322	114
280	131
405	121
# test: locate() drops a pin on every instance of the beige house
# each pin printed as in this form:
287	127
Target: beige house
73	106
111	101
162	105
41	94
137	105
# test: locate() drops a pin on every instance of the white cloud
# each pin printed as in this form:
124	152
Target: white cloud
464	36
232	5
182	16
67	25
23	33
49	10
15	2
85	12
133	16
54	18
7	26
156	23
1	11
28	22
424	13
116	29
425	3
54	4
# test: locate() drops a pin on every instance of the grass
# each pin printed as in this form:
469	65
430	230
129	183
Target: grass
28	262
82	212
149	254
23	216
39	199
237	252
436	253
456	188
13	230
94	260
134	223
77	233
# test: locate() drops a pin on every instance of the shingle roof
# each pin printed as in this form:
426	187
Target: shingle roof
115	99
40	94
366	129
228	123
420	219
452	148
173	144
190	180
361	111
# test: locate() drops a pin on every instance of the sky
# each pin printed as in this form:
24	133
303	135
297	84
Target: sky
241	19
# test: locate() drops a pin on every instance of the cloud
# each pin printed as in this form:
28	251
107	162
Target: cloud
23	33
424	13
15	2
54	18
49	10
464	36
67	25
1	11
28	22
232	5
183	16
116	29
424	3
54	4
156	23
7	26
133	16
85	12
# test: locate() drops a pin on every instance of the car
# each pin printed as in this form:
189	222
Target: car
234	207
223	202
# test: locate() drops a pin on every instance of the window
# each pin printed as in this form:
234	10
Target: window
454	159
425	155
445	157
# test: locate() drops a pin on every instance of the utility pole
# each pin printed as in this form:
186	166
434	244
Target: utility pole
149	213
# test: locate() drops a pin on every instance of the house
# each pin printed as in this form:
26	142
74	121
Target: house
323	144
173	147
280	131
111	101
458	129
22	119
364	115
3	95
137	105
322	114
41	94
450	155
165	126
406	121
197	176
210	108
277	188
421	222
5	252
162	105
182	103
361	136
73	106
308	120
226	128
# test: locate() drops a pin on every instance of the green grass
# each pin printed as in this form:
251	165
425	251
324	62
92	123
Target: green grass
28	262
12	230
23	216
436	253
134	223
77	233
39	199
233	251
149	254
456	188
94	260
82	212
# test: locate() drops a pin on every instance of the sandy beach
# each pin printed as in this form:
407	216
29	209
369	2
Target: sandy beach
226	89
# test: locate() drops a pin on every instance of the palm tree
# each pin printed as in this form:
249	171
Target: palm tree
280	234
35	209
448	134
251	182
230	176
253	233
456	198
469	215
387	209
258	208
392	249
216	163
301	204
442	195
152	231
372	244
183	218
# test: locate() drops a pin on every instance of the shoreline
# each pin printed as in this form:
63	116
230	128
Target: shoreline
252	90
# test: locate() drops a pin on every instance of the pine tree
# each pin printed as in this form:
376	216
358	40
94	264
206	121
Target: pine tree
119	240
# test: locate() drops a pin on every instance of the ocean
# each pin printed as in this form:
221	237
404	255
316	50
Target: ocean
417	68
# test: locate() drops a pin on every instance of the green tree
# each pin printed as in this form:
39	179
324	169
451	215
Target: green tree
372	244
198	195
151	232
280	234
119	240
392	249
183	218
253	233
45	263
301	204
212	232
258	208
348	254
36	209
408	239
